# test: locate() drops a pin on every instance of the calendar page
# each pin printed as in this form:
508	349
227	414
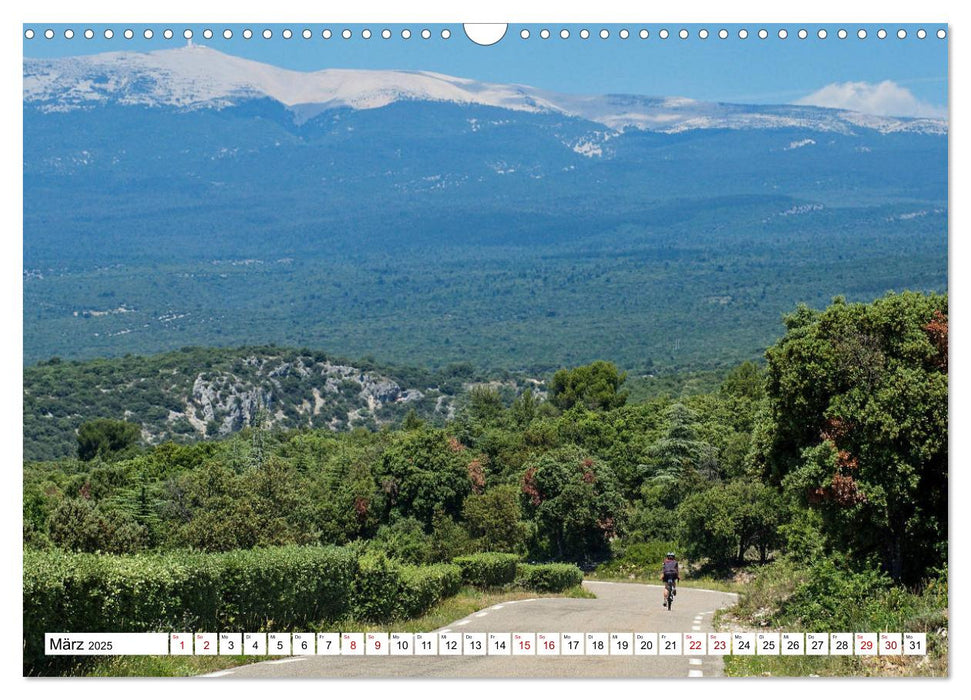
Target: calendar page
527	350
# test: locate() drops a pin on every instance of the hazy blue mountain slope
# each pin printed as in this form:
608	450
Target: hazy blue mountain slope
428	231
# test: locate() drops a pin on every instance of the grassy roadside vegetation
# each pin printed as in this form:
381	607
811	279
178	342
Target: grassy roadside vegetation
467	601
786	596
641	563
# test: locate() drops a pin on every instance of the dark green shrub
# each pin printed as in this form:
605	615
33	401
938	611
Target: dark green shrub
423	586
79	525
488	569
277	588
551	578
387	591
404	540
376	588
107	438
281	587
638	560
835	597
802	536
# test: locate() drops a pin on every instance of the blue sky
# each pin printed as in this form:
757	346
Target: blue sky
906	76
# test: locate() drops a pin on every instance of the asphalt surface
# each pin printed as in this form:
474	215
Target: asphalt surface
618	607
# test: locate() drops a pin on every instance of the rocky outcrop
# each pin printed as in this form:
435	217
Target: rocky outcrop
207	393
226	400
270	390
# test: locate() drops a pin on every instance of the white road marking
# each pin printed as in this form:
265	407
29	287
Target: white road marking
288	661
447	629
481	614
216	674
529	600
463	622
496	607
695	628
695	662
695	673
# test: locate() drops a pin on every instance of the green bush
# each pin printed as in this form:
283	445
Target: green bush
277	588
376	588
91	593
282	587
802	536
638	560
488	569
385	590
423	586
404	540
548	577
836	597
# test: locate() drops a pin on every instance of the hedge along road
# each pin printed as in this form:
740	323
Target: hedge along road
618	607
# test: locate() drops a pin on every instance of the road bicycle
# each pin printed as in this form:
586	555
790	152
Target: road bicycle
669	592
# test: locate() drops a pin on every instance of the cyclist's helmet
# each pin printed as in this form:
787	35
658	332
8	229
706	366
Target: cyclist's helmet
670	555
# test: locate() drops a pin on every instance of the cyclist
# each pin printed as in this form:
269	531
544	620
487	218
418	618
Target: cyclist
669	574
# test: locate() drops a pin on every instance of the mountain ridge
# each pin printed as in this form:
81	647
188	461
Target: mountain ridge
198	77
438	232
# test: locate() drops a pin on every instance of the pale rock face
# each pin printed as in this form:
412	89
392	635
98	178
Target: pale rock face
223	398
196	77
233	403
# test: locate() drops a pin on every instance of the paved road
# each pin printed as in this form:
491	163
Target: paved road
618	607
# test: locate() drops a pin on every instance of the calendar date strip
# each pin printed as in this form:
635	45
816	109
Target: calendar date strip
272	644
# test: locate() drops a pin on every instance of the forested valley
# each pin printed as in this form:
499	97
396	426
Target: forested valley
815	479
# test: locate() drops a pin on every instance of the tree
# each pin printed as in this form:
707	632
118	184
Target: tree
77	524
723	522
746	381
279	504
106	438
411	420
347	502
495	519
680	458
405	541
856	425
449	538
594	386
484	405
574	502
524	409
423	470
217	513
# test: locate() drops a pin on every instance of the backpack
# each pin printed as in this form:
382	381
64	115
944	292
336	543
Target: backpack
670	566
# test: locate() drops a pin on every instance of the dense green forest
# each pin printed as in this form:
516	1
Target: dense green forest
831	457
691	285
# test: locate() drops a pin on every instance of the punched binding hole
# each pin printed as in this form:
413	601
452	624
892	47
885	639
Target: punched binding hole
488	34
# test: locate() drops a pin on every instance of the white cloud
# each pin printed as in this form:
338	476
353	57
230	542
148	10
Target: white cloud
886	99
